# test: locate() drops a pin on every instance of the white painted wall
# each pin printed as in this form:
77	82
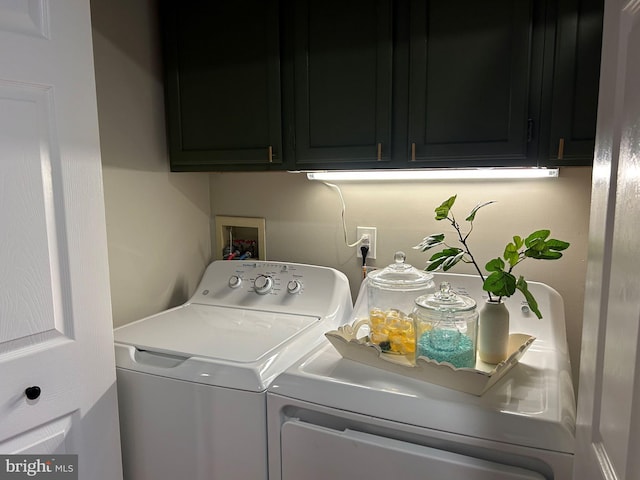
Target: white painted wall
157	221
303	223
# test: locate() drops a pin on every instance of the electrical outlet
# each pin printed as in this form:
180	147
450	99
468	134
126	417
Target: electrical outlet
373	241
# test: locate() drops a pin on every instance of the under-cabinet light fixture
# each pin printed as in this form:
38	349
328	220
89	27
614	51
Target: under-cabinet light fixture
433	174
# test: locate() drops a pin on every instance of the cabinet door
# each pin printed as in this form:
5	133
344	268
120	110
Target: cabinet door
576	74
223	84
342	70
469	81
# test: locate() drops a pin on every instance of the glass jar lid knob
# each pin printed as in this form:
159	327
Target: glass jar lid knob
445	292
399	257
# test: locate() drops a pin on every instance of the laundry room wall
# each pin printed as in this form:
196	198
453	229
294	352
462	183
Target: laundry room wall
160	225
157	221
303	223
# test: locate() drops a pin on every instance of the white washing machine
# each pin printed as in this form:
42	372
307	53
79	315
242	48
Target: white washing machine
333	418
192	380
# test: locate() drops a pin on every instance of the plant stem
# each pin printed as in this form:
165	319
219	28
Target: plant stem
463	241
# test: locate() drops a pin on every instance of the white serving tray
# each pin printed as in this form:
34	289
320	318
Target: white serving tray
471	380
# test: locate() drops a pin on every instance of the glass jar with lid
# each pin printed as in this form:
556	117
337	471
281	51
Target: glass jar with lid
446	327
391	296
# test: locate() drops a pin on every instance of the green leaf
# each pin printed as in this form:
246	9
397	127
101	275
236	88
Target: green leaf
511	254
500	283
437	259
495	265
540	248
557	245
451	261
433	265
430	242
536	237
442	211
447	252
544	254
472	215
536	246
524	288
518	242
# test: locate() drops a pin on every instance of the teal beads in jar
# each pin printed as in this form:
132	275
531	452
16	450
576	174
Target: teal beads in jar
446	326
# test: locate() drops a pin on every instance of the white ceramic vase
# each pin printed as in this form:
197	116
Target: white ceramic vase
493	332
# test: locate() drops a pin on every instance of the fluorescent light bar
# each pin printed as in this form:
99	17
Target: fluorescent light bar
433	174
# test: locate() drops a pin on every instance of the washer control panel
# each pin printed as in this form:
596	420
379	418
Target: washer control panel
277	286
267	278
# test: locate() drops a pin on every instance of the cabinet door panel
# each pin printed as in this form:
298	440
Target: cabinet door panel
342	86
469	80
576	76
223	83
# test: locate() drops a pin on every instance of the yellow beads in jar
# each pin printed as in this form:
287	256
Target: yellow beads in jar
393	331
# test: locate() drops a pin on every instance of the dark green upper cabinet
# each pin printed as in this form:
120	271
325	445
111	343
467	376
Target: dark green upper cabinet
574	67
337	83
470	82
222	80
355	84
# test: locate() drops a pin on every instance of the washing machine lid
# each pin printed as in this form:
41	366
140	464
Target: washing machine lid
224	346
230	334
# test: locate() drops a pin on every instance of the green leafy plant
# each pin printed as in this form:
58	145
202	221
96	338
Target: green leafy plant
500	281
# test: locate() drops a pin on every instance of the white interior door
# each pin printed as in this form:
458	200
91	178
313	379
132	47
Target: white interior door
55	313
608	437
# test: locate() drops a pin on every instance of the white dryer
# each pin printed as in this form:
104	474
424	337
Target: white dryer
330	417
192	380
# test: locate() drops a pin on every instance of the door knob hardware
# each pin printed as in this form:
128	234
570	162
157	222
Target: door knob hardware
33	392
561	149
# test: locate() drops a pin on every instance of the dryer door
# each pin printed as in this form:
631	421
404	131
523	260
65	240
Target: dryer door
350	454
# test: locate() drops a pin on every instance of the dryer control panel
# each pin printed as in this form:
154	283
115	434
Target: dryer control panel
277	286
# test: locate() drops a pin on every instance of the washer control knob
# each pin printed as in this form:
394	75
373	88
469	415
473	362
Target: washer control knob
294	286
235	281
263	284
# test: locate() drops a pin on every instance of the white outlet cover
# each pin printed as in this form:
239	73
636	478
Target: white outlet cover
373	241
